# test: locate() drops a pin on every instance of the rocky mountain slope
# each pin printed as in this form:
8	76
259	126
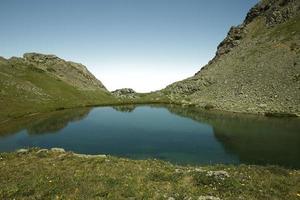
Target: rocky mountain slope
125	93
72	73
256	68
40	82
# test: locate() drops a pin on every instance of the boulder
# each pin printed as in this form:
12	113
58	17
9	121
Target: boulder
218	174
124	93
208	198
89	156
58	150
22	151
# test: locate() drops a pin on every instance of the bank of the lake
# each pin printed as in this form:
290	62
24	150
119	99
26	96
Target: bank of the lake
56	174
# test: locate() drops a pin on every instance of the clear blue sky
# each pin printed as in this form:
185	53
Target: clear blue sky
142	44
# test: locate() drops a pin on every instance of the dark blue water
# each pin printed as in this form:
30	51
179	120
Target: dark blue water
176	134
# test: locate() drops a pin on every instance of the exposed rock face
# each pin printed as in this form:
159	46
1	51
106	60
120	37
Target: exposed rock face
233	39
73	73
256	66
125	93
274	11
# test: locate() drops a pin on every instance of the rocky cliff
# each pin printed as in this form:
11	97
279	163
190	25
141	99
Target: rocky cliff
256	68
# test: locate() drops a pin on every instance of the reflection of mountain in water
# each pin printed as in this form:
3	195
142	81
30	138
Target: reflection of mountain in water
254	139
250	139
124	108
44	123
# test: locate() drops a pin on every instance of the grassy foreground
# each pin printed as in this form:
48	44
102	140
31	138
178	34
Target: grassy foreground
55	174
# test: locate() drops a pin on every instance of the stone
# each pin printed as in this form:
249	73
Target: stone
125	93
21	151
178	170
218	174
42	151
61	156
262	105
199	170
58	150
89	156
235	34
208	198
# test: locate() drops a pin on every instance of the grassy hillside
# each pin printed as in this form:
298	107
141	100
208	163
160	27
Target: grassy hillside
49	174
43	83
28	87
256	68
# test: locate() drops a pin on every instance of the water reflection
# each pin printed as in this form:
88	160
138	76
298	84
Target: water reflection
173	133
254	139
125	108
44	123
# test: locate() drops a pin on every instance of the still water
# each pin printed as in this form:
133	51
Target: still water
172	133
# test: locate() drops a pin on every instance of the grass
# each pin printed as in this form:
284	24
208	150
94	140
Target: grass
25	89
63	175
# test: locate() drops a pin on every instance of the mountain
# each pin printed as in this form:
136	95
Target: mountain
256	68
72	73
38	83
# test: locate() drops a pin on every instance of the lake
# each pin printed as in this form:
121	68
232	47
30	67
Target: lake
181	135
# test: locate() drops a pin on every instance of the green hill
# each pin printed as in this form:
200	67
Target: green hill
39	83
256	68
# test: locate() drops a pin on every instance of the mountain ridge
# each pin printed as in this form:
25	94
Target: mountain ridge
42	83
256	67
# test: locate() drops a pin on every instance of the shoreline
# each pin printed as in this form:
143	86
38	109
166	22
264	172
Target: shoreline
265	114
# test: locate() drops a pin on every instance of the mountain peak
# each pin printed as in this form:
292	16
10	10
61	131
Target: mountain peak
274	11
38	57
72	73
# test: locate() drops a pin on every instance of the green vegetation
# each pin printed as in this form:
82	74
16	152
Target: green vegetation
27	87
45	174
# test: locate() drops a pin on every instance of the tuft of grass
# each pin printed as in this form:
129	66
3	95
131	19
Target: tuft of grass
63	175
